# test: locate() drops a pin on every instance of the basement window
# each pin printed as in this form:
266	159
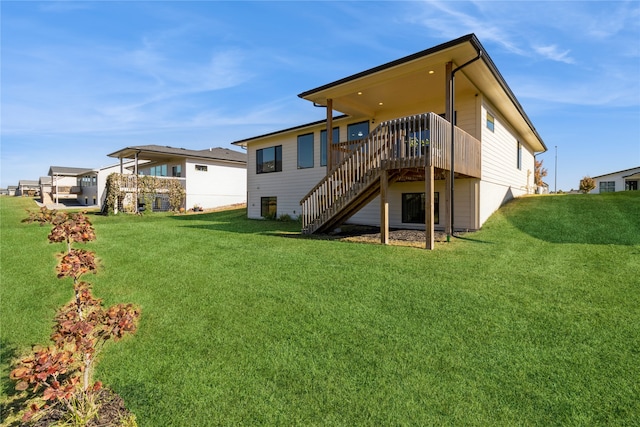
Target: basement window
268	207
413	208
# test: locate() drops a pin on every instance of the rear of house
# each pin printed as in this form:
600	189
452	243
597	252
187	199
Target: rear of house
392	159
211	178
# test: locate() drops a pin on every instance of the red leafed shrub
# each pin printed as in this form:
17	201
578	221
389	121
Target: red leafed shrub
63	371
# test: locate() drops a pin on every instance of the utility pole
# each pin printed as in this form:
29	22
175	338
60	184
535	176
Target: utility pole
555	174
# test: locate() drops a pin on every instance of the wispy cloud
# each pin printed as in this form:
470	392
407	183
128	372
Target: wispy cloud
552	52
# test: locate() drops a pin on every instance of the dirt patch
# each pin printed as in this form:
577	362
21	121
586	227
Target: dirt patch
112	413
368	234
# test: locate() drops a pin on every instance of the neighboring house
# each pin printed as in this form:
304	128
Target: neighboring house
390	158
84	186
624	180
28	188
12	190
211	178
64	184
93	184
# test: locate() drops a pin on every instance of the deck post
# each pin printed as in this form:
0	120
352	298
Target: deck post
384	208
428	208
329	135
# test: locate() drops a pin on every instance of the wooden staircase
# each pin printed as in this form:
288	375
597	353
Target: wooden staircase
395	146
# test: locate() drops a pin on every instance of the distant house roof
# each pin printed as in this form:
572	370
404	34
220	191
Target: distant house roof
44	180
159	152
632	171
67	171
27	183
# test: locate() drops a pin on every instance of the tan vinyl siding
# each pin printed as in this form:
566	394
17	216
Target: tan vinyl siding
289	185
501	178
465	199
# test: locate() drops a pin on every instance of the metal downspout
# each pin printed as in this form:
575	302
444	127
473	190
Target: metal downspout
452	108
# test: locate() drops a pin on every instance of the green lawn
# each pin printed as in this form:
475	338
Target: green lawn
534	320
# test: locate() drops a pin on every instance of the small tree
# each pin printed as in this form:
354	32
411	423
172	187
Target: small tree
587	184
63	372
538	173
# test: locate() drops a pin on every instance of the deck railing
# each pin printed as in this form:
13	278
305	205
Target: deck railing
408	142
129	182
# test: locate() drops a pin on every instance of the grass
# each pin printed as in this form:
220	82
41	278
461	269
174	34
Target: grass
534	320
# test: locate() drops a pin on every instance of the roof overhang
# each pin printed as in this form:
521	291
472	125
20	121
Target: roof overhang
421	79
156	153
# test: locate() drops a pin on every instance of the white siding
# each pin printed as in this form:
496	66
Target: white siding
221	184
617	177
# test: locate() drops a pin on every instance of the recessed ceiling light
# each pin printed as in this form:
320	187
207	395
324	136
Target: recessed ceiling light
379	103
431	71
359	93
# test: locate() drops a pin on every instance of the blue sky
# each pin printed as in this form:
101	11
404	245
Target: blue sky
80	80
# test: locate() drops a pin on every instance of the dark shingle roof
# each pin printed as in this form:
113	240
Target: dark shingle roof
64	170
217	153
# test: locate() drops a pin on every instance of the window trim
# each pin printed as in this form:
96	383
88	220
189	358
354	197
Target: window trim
436	207
491	122
277	156
607	187
268	200
303	139
519	156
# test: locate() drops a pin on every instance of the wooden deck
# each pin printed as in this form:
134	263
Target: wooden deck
410	148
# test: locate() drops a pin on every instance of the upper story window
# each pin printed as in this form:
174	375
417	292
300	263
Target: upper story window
519	154
491	122
323	144
269	159
357	131
202	168
176	171
160	170
87	181
305	151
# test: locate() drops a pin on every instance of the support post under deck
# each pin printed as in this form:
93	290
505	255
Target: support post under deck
384	208
428	208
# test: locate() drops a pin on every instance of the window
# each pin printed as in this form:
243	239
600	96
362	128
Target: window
305	151
202	168
491	122
160	170
323	144
631	185
519	155
357	131
268	207
607	186
176	171
269	159
413	208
